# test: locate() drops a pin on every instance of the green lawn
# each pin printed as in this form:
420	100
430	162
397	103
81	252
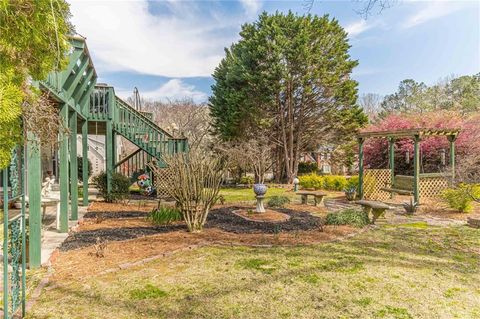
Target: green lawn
237	195
403	271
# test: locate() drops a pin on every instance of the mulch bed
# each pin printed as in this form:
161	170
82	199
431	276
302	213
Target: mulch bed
269	215
87	238
221	218
224	219
110	215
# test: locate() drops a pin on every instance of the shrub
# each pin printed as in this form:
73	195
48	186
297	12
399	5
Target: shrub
352	182
460	198
348	217
306	168
278	201
194	184
164	215
327	182
247	180
80	167
120	185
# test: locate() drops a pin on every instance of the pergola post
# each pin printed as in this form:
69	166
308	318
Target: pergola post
63	172
416	168
34	177
391	159
85	162
360	167
452	139
73	166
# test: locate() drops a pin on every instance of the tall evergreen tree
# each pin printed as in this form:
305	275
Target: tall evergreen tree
287	78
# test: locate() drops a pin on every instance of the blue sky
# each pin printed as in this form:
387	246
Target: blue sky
168	49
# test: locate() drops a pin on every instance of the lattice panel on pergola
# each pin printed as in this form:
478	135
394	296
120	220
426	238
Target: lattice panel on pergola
373	181
431	187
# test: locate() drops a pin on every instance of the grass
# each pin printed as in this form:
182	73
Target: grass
387	272
238	195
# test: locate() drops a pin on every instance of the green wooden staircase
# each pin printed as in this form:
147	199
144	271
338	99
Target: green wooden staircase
137	127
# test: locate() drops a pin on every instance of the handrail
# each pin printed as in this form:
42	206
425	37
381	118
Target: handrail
138	113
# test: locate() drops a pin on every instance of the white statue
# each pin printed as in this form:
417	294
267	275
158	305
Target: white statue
47	186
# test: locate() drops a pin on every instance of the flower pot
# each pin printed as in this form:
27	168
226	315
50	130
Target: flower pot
260	189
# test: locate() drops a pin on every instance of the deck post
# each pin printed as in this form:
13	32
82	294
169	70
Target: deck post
452	139
416	169
63	172
85	162
360	167
34	177
73	166
109	141
391	158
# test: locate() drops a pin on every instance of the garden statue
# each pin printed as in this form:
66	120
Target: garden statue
47	186
145	184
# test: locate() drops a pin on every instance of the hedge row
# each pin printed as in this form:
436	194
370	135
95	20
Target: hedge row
328	182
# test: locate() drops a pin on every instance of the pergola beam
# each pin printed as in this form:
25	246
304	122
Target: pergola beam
409	133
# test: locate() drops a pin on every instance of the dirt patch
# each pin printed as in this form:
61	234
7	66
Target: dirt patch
268	216
440	210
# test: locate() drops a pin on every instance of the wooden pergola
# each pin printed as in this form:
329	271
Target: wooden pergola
416	135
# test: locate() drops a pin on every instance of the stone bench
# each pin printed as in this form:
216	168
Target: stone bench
317	196
377	209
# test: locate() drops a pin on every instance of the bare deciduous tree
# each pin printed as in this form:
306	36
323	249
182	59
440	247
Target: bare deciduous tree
194	183
182	117
254	154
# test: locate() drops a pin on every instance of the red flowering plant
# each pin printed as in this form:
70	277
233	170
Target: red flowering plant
431	148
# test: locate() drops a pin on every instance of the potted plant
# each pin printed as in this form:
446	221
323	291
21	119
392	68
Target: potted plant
350	192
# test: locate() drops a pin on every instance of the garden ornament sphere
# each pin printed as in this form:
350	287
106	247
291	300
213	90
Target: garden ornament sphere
260	189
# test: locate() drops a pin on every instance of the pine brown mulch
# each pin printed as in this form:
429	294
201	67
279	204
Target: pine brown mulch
130	239
268	216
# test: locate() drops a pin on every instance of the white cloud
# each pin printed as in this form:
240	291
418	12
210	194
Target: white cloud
126	36
431	11
174	89
355	28
251	6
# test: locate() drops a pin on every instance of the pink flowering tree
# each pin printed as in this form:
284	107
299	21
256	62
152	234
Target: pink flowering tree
431	148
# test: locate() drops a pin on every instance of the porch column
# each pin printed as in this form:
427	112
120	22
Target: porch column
360	167
391	158
73	166
34	177
416	169
109	140
109	154
85	161
452	139
63	171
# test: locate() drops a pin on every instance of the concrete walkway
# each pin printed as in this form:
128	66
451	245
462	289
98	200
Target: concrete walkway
51	238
